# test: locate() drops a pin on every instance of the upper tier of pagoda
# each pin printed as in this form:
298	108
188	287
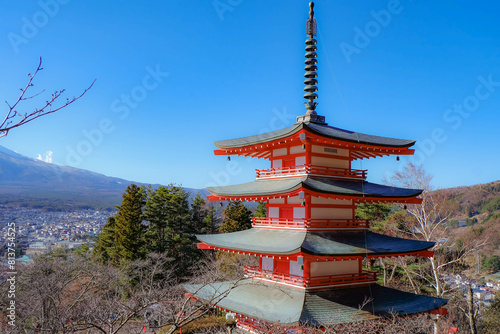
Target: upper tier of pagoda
358	145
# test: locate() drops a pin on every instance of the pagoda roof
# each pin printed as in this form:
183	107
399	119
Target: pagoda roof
320	129
330	243
290	306
355	188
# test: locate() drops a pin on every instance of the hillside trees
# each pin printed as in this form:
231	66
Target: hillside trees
15	118
156	221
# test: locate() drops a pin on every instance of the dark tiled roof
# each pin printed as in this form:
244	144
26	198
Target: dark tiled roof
332	243
257	139
266	301
332	132
322	185
320	129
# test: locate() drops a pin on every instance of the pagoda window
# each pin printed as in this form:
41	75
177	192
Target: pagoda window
334	268
297	149
327	213
273	212
294	200
278	163
267	264
297	267
277	201
330	151
329	162
279	152
330	201
300	161
299	213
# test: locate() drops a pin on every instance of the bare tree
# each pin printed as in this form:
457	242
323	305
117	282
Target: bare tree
430	218
15	118
68	293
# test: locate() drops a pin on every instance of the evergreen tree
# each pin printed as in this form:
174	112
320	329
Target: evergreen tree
198	215
261	210
237	217
373	211
105	249
211	219
171	230
129	230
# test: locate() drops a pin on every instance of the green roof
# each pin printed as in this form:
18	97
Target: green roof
323	185
320	129
286	305
331	243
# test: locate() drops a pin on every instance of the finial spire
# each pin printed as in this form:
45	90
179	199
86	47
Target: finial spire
311	74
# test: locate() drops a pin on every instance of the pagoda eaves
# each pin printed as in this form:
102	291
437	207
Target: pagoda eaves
360	145
360	191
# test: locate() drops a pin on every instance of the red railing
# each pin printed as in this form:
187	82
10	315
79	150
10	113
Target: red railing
314	170
310	223
313	282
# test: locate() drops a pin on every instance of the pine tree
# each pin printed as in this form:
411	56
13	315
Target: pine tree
129	230
261	210
237	217
105	250
211	219
171	230
198	215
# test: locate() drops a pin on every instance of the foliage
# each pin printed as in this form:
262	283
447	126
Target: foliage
129	230
237	217
373	211
172	226
491	264
470	222
261	210
491	316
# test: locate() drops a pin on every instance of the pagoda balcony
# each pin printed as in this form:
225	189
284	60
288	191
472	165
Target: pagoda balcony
317	282
310	224
345	173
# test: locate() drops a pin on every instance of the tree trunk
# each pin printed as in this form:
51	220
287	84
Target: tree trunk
385	271
472	318
436	277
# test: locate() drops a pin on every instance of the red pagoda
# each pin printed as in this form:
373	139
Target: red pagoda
311	246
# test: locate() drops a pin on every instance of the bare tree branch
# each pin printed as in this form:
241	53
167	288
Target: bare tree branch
15	118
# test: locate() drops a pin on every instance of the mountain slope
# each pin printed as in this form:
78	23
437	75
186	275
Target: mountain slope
23	179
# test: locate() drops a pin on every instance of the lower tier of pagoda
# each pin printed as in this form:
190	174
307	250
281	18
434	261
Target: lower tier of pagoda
265	302
311	282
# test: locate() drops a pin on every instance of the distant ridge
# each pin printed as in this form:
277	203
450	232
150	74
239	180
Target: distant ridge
26	181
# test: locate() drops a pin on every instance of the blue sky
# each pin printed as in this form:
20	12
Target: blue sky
173	76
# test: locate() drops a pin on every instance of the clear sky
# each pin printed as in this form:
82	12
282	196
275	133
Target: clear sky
173	76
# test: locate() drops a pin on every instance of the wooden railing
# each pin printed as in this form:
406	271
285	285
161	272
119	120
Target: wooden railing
314	170
313	282
310	223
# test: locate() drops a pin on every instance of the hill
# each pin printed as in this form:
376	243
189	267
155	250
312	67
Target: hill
476	214
33	183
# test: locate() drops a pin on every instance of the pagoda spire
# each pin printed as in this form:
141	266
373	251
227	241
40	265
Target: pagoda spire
311	74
